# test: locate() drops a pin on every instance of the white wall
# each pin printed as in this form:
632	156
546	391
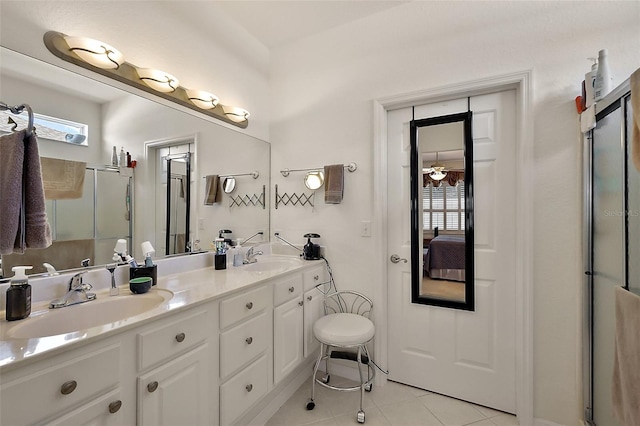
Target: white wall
156	34
323	87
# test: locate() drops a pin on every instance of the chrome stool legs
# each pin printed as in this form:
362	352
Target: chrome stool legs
361	357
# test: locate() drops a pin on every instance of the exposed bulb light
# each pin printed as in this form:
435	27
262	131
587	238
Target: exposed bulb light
438	175
236	114
158	80
202	99
95	52
314	179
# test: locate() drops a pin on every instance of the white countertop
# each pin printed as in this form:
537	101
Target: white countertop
189	288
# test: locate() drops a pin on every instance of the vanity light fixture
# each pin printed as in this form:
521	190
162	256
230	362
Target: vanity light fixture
95	52
158	80
236	114
202	99
105	60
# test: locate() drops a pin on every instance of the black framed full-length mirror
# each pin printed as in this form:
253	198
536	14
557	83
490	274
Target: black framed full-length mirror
442	262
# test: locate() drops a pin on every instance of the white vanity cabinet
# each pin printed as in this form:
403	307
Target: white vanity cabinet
313	306
76	387
174	383
245	351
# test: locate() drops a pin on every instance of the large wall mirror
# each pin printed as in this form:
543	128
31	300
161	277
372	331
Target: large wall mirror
148	130
442	212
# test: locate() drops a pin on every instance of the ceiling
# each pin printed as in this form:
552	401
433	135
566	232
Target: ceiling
278	22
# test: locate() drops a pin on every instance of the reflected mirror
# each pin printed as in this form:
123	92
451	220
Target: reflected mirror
127	201
178	212
442	211
314	180
229	184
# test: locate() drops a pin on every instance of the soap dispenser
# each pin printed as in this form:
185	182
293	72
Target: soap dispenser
19	295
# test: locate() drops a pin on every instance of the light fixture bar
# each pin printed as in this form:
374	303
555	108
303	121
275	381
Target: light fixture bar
129	74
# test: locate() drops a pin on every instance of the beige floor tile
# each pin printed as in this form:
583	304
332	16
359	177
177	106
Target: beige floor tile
409	413
485	422
390	393
505	420
451	412
488	412
373	417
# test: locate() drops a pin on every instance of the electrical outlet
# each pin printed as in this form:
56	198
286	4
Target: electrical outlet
365	228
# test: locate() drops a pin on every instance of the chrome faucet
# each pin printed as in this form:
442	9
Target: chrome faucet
251	256
76	293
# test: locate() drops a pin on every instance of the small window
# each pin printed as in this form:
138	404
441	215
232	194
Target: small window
51	128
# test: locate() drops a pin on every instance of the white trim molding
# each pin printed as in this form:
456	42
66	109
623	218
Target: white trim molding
522	82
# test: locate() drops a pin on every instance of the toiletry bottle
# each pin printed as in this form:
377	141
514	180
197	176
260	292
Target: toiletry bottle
114	157
123	157
128	159
590	82
19	295
603	78
237	255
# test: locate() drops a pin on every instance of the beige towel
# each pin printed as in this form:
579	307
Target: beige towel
625	385
62	179
23	218
212	192
333	183
635	104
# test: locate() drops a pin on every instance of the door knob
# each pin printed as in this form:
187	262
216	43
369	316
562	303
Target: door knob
395	259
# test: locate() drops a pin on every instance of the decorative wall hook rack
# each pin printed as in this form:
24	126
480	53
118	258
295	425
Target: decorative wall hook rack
294	199
351	167
249	200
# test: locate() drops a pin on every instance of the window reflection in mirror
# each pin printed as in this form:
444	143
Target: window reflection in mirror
442	211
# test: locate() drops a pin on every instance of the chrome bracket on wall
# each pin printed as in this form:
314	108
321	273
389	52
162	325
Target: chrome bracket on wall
294	199
249	200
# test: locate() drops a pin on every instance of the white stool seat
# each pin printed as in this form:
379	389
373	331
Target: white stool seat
344	329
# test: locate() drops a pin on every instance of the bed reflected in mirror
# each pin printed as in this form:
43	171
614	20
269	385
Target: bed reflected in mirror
442	207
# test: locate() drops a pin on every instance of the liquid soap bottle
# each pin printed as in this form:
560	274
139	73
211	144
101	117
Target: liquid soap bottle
19	295
603	78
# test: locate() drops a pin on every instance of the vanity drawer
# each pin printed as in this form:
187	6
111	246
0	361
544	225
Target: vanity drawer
287	289
174	336
242	306
315	276
243	390
39	396
242	343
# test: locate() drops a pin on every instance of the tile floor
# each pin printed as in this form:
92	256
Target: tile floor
391	405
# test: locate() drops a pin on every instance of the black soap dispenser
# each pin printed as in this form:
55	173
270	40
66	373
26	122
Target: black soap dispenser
19	295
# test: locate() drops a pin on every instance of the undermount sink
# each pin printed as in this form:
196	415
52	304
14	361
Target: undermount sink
272	264
104	310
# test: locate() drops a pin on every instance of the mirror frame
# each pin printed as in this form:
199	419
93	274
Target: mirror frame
416	211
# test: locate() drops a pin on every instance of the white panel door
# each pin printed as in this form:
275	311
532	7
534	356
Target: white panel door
466	355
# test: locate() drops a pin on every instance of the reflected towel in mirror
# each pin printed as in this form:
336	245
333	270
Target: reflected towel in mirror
212	193
62	179
23	216
333	183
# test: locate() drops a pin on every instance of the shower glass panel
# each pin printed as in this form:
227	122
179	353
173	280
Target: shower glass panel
608	256
633	211
113	213
74	218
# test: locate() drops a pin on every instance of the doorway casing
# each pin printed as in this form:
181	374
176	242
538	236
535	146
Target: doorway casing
522	83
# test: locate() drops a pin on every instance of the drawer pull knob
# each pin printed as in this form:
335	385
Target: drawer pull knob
309	298
151	387
68	387
300	303
180	337
249	387
316	277
249	305
114	407
249	340
292	289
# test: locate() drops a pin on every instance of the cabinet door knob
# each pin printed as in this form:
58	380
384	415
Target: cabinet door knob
249	387
300	303
68	387
180	337
114	407
249	305
316	277
292	289
309	298
151	387
249	340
